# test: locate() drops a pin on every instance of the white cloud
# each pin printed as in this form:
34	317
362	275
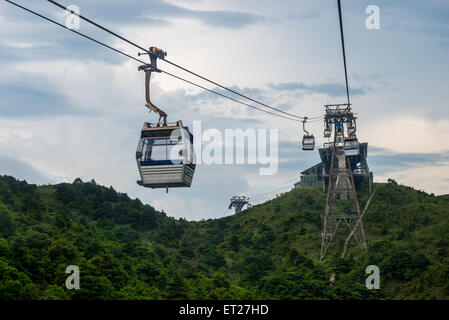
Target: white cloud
429	178
408	134
90	85
24	171
71	147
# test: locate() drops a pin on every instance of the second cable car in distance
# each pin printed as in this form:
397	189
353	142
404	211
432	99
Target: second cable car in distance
351	129
165	156
308	140
327	132
351	143
351	146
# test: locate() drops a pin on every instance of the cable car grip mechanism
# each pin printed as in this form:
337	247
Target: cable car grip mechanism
154	53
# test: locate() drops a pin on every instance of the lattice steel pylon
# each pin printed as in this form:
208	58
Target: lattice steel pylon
341	204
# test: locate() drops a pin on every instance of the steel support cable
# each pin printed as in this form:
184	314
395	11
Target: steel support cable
343	49
232	91
97	25
269	194
272	192
268	197
318	119
232	99
143	62
78	33
174	64
314	118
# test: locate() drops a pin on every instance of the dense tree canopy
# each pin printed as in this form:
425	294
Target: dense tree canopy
127	250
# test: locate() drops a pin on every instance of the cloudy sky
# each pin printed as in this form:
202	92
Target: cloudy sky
69	108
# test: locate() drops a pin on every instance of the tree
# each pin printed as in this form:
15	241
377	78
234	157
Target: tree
15	285
7	225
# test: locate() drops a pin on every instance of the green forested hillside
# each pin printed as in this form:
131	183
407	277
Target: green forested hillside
127	250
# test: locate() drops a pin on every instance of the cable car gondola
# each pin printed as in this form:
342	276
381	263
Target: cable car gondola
351	146
327	132
351	129
165	156
308	140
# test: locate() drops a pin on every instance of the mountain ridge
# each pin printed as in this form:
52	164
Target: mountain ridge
128	250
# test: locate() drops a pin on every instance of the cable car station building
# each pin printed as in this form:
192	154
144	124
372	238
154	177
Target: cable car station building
318	175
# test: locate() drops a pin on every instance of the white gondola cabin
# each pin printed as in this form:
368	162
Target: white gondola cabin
308	142
327	132
351	146
165	156
351	130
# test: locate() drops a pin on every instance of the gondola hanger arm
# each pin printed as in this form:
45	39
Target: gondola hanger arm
304	125
154	54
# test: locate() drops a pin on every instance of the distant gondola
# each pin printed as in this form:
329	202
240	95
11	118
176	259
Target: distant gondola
351	146
308	140
351	130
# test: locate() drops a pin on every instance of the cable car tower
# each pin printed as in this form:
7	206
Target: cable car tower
238	202
341	204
